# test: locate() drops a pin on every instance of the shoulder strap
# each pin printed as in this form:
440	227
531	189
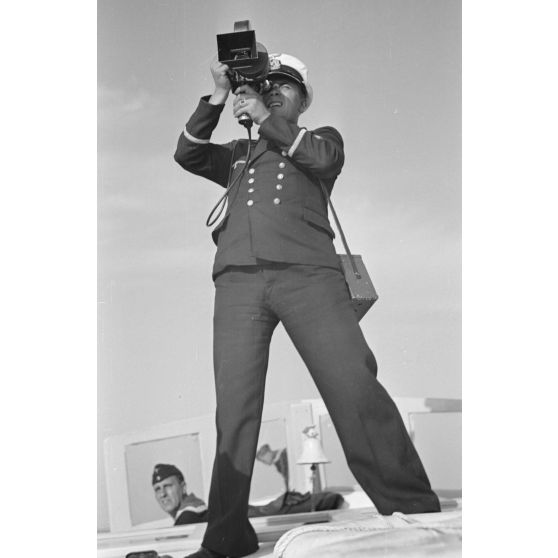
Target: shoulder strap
341	233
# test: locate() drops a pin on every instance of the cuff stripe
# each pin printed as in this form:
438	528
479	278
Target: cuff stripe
296	142
193	139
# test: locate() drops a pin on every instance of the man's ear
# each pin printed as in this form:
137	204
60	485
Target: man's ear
303	106
184	488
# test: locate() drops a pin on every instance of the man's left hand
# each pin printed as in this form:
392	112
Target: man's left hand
249	102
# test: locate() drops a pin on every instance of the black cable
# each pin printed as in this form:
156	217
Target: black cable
220	205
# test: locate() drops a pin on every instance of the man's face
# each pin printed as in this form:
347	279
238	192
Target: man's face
169	493
285	98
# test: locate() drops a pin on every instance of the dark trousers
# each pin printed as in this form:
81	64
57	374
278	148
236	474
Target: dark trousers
313	304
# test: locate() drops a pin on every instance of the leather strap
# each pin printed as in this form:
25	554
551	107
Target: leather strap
339	228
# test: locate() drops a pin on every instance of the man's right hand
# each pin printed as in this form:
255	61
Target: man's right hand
222	83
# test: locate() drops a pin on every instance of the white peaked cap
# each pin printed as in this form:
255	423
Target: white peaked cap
287	65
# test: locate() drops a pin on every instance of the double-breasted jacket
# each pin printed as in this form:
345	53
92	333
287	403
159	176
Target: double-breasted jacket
276	210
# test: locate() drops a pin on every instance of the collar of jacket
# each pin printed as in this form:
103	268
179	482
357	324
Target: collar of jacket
261	147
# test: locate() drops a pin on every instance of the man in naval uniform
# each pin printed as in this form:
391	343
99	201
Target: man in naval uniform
170	491
276	262
171	494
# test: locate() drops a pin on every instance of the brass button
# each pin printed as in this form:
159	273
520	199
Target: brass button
276	201
280	176
279	186
251	180
250	202
284	153
250	190
281	165
252	171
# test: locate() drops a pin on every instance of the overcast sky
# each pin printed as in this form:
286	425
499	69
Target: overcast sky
386	74
48	224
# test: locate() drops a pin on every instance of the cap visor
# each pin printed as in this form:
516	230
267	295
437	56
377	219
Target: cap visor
292	77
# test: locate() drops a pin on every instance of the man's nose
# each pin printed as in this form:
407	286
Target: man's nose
273	92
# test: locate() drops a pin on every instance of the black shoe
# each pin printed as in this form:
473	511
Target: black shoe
205	553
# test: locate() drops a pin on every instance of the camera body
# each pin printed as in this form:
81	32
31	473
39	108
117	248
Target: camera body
247	59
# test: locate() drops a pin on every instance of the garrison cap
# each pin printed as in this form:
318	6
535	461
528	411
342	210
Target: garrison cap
287	65
163	471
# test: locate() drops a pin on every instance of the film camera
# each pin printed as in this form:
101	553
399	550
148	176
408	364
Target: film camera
247	60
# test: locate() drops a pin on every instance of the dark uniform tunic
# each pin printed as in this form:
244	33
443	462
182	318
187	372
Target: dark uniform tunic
276	262
278	212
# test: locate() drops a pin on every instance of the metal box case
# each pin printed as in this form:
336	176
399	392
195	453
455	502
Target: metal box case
362	291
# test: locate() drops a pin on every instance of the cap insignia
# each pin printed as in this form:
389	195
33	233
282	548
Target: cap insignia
274	63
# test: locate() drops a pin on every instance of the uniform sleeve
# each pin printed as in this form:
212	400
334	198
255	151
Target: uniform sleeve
320	151
195	152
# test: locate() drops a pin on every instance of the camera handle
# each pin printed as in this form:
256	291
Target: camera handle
236	82
261	87
245	120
